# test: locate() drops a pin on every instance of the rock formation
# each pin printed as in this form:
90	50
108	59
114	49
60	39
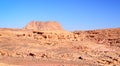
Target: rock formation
49	25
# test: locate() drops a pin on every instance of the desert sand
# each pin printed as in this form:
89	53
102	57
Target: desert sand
48	44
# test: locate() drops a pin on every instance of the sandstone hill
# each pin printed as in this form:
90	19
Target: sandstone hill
38	45
39	25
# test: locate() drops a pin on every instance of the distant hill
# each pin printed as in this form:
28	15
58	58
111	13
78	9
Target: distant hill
39	25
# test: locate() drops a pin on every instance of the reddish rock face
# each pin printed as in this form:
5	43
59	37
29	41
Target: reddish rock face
49	25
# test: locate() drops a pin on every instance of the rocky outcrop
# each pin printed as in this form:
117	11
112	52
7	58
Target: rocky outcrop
109	37
49	25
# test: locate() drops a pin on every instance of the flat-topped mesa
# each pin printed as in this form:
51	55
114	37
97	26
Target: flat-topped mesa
44	26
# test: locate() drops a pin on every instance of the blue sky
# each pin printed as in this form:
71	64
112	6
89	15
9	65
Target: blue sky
72	14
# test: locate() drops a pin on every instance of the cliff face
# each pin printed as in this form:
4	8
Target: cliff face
49	25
